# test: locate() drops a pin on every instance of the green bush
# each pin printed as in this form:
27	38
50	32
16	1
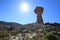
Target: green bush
49	34
13	33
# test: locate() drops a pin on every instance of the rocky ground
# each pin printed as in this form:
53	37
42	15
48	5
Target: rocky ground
33	31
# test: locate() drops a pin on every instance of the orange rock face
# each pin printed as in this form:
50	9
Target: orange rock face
39	11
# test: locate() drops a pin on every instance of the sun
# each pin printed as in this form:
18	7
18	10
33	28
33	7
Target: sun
24	7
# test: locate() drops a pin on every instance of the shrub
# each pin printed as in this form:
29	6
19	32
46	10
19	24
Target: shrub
50	36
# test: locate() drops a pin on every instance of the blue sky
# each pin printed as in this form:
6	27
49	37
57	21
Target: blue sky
10	11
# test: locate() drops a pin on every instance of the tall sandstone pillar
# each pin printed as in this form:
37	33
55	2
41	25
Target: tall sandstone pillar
39	11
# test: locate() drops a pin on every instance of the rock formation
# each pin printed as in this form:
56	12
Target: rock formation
39	10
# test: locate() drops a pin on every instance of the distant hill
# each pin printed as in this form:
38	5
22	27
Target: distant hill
5	25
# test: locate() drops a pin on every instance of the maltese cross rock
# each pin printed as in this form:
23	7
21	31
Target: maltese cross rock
39	11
